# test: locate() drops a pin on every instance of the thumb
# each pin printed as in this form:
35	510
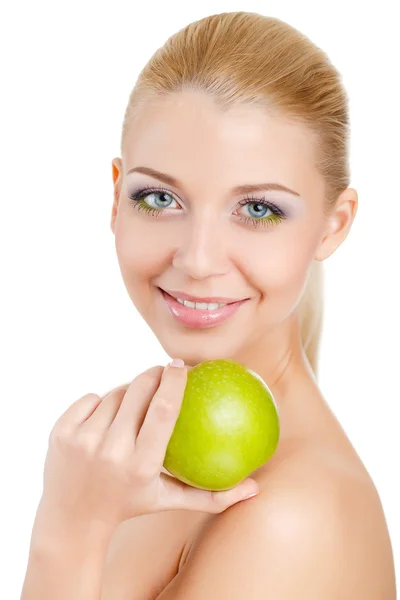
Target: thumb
179	495
247	489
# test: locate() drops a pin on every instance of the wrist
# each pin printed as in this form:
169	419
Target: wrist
53	529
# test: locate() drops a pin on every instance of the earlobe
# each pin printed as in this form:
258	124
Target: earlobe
338	224
114	212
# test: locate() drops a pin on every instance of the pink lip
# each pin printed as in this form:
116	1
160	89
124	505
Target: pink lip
192	317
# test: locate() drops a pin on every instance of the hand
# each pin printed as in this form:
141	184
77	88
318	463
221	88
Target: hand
106	455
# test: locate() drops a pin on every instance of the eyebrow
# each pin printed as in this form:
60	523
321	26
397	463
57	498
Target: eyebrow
239	189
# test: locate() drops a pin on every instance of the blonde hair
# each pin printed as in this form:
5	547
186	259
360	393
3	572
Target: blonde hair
255	60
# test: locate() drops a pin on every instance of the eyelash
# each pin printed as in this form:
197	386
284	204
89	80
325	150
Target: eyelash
137	200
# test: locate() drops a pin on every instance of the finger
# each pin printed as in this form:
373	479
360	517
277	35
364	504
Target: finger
104	414
160	419
134	405
119	387
77	413
177	495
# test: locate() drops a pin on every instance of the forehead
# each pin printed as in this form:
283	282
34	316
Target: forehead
189	137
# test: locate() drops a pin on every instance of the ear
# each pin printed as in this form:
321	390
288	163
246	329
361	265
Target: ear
338	224
117	181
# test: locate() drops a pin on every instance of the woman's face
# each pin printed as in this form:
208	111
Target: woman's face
199	239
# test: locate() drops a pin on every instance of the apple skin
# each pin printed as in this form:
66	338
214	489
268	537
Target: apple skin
228	426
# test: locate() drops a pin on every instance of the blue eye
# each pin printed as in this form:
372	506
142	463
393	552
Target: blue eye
274	218
140	197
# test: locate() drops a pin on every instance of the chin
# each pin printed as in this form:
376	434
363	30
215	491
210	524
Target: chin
196	356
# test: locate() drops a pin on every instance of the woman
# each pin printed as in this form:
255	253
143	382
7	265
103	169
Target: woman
232	186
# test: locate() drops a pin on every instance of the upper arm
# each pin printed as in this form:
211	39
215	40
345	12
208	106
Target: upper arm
142	554
301	545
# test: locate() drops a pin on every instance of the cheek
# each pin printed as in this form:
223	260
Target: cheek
283	262
138	253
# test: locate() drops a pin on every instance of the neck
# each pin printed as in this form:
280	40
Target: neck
281	361
279	358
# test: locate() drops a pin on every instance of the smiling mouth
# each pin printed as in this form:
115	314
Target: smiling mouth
183	298
199	317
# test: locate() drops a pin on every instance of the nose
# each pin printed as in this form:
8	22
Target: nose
203	251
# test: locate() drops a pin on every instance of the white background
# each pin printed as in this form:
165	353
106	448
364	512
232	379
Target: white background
68	326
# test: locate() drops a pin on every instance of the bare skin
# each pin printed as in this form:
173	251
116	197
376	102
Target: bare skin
316	452
132	537
199	246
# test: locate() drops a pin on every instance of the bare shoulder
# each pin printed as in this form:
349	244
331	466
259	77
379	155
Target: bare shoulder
324	495
316	529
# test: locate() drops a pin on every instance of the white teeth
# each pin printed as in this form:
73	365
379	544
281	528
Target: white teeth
200	305
204	305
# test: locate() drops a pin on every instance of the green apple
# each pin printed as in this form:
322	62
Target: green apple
228	426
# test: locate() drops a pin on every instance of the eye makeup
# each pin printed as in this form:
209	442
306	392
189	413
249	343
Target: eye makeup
258	206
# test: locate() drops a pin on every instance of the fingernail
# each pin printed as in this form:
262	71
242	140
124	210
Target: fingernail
177	362
254	492
251	495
